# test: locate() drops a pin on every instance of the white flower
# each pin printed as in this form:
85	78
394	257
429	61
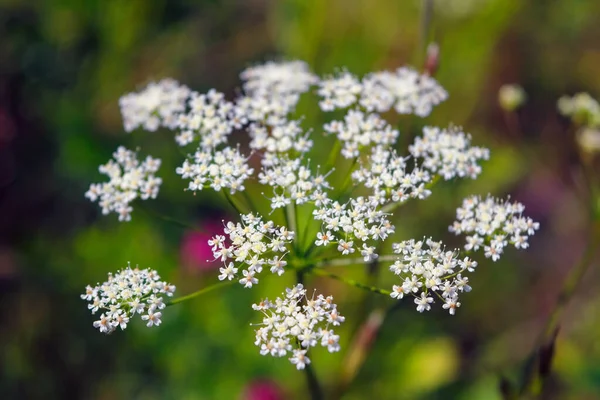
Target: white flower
493	224
427	267
218	170
448	153
156	105
340	91
297	320
250	245
405	90
129	179
126	293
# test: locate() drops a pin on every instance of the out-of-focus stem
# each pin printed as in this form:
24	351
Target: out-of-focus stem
232	202
426	17
171	220
201	292
350	282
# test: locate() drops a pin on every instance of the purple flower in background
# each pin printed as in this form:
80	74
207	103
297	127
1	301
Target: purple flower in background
262	390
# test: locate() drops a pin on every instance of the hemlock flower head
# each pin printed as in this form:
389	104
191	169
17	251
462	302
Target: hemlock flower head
125	294
156	105
428	272
250	245
492	224
129	179
295	323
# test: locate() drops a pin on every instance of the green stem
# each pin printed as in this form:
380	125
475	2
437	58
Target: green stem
290	219
171	220
232	202
201	292
350	282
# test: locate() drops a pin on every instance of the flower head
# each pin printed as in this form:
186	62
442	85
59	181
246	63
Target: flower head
125	294
129	179
295	323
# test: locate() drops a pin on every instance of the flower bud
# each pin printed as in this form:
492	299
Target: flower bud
511	97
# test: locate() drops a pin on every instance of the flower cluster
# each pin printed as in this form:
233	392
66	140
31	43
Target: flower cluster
386	173
492	224
292	182
448	153
360	130
125	294
251	244
129	180
352	223
428	270
157	105
210	118
221	169
405	90
295	323
581	108
277	139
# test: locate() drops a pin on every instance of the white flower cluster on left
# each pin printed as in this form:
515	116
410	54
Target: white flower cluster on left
251	244
129	179
297	321
125	294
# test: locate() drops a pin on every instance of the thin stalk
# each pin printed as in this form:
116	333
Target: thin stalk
171	220
232	202
290	219
350	282
314	388
201	292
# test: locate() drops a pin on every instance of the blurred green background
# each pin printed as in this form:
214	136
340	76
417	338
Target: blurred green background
63	67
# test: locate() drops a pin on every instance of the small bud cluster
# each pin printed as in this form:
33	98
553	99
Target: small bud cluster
581	108
155	106
386	173
493	224
129	180
449	153
250	245
292	182
360	130
430	271
355	221
209	119
218	170
125	294
297	321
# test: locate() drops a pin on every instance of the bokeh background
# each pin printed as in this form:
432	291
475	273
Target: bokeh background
63	66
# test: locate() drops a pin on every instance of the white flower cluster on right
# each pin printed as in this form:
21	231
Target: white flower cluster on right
295	323
492	224
448	153
252	243
430	272
129	180
125	294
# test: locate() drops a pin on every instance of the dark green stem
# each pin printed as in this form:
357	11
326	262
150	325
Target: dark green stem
201	292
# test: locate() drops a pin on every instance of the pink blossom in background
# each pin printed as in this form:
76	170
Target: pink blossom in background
195	253
262	390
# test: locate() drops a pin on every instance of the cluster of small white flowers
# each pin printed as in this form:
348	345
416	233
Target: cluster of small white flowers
449	153
493	224
209	118
405	90
277	139
428	269
360	130
356	221
293	182
386	174
125	294
251	244
220	169
297	319
339	91
129	180
156	105
287	77
272	90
